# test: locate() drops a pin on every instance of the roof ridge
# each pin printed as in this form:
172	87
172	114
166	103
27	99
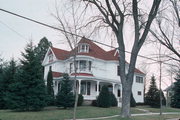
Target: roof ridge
59	49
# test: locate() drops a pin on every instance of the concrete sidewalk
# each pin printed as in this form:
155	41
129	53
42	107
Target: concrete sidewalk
174	119
144	114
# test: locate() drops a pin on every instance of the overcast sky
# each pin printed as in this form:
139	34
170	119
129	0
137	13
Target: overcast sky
16	32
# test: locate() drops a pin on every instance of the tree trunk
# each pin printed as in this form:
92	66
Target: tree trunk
125	111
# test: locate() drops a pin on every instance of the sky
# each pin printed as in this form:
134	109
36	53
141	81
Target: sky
16	32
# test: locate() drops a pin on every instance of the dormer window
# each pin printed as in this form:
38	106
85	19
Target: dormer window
50	56
83	48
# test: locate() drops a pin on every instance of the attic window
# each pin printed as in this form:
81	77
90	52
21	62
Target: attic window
83	48
50	57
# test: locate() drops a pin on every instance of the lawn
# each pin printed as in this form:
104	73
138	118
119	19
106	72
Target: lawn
53	113
152	117
164	109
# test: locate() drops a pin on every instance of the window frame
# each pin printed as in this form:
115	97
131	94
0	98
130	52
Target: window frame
139	93
83	48
50	57
139	79
118	70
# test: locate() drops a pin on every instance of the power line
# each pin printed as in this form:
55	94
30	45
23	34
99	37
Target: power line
49	26
20	35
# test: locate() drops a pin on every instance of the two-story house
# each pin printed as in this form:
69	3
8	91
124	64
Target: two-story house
95	68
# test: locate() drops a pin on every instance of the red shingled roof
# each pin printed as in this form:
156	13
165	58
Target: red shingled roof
82	74
138	71
60	54
94	51
57	74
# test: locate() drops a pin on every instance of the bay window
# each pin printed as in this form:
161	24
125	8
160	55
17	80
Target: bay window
81	65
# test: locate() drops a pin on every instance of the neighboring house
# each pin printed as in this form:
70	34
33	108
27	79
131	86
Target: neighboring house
169	93
95	68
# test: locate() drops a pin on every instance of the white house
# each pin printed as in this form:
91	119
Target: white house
95	68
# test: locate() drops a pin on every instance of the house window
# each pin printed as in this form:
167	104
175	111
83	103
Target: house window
59	86
88	88
71	67
118	70
96	88
139	93
56	83
139	79
50	57
85	88
119	93
83	48
82	65
90	65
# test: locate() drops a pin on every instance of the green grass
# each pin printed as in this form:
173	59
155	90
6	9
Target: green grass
53	113
164	109
152	117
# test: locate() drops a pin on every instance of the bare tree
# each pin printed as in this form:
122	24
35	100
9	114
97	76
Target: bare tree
115	13
168	27
73	29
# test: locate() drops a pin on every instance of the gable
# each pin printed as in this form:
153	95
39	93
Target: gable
94	51
49	57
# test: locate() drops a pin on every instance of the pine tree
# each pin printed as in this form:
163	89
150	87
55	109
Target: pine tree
28	92
152	97
2	105
42	48
7	78
175	100
103	99
41	51
50	90
65	97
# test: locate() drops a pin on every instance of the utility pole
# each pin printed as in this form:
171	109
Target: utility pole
160	79
160	93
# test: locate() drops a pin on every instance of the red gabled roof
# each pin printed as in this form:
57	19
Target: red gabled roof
94	51
81	74
111	55
60	54
57	74
138	71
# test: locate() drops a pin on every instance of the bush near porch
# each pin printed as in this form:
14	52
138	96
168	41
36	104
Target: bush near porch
105	99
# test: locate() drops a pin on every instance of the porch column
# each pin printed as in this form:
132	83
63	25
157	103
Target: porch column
97	88
113	85
56	89
79	86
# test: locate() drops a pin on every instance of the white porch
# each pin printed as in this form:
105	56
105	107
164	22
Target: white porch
90	88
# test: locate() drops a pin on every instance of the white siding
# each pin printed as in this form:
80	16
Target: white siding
138	87
105	70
